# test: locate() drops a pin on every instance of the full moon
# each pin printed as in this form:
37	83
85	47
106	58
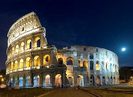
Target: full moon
123	49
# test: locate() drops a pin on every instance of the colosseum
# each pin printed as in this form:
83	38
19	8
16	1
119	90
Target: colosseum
31	62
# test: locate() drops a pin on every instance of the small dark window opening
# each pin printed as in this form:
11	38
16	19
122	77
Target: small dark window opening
91	65
84	49
30	45
96	50
91	56
38	43
60	61
47	59
23	29
69	62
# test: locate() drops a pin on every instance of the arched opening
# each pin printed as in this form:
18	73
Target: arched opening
37	42
37	62
28	63
29	44
16	81
20	82
58	81
36	81
69	61
21	64
71	81
17	48
80	63
97	65
27	81
80	80
60	60
22	47
47	82
11	82
46	60
12	66
12	50
98	81
16	65
85	64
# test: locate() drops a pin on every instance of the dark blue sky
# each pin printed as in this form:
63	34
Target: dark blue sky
102	23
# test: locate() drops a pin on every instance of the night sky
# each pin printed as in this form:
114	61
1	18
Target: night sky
107	24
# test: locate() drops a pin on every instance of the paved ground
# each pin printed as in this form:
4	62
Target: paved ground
69	92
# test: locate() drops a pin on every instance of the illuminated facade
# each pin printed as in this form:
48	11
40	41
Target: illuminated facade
32	63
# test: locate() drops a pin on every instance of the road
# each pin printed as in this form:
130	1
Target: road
68	92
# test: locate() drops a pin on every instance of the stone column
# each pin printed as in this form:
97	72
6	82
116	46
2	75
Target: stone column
24	81
41	59
41	80
52	79
32	42
32	79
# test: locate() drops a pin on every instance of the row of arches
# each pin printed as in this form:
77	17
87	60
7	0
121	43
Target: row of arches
27	63
57	81
46	82
26	46
98	65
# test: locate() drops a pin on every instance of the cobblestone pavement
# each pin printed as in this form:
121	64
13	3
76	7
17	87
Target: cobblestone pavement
68	92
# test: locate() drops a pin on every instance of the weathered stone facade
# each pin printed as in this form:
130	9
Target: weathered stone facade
32	63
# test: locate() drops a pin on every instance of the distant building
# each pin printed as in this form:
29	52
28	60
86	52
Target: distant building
2	77
31	62
126	73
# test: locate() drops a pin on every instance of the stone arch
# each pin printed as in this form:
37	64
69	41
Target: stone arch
36	81
29	44
37	42
47	81
17	49
80	80
21	64
22	46
12	67
37	62
13	50
27	81
28	63
97	65
58	80
85	64
98	80
16	65
46	59
69	61
80	63
70	80
21	81
60	60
